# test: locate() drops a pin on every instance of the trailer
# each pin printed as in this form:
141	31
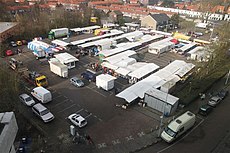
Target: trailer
67	59
58	68
105	81
161	48
57	33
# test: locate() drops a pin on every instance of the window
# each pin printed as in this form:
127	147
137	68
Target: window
181	130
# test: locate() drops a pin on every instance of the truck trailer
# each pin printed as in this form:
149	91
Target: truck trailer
58	68
57	33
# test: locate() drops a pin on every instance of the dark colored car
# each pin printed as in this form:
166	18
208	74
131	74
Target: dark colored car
88	75
13	44
9	52
222	94
205	110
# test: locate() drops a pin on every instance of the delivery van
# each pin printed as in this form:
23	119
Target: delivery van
42	94
178	126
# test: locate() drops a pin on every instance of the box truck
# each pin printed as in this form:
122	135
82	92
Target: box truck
178	126
105	81
57	33
59	68
42	94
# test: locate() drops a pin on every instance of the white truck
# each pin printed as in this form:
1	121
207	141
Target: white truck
178	126
57	33
58	68
105	81
42	94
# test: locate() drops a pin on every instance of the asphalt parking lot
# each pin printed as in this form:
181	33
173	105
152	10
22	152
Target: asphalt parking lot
107	124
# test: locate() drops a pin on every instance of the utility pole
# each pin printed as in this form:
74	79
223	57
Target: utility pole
161	122
227	77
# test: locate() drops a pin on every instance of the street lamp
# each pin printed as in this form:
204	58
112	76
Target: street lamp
161	122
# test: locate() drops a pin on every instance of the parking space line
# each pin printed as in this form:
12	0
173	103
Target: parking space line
120	83
66	108
96	91
57	96
60	103
88	115
79	111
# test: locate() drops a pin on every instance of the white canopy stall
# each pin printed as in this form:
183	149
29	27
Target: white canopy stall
67	59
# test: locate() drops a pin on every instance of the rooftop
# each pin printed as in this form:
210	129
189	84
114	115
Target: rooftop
6	26
1	127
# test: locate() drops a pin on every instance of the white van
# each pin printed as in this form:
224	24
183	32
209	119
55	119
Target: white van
178	126
42	94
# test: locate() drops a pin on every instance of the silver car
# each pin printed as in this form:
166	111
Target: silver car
77	82
26	99
42	112
214	101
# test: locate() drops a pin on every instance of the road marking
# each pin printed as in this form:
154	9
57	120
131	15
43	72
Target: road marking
66	108
102	145
141	134
129	138
79	111
88	115
57	97
181	138
60	103
117	141
96	91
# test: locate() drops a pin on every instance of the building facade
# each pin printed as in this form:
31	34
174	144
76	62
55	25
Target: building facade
8	132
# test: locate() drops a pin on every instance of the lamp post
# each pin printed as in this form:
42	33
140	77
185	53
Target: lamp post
227	77
161	122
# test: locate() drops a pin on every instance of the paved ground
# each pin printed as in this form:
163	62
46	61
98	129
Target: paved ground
112	129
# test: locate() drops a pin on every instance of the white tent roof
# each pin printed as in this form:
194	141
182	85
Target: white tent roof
106	77
126	62
85	28
143	71
147	38
128	46
162	96
128	35
138	89
122	71
110	66
136	65
96	43
65	58
118	57
60	43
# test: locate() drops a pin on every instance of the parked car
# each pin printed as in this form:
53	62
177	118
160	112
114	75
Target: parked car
42	112
19	43
205	110
222	94
9	52
26	99
13	44
88	75
77	82
24	42
214	101
77	120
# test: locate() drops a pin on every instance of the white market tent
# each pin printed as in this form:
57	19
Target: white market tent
149	38
139	89
161	33
127	35
114	33
118	57
59	42
186	48
155	80
161	101
161	48
143	71
132	24
95	43
126	62
122	71
85	28
125	47
136	66
110	66
67	59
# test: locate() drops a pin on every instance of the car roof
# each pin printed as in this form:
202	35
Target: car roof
24	95
205	107
215	98
78	117
39	107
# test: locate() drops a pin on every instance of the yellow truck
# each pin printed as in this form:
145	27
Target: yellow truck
35	78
